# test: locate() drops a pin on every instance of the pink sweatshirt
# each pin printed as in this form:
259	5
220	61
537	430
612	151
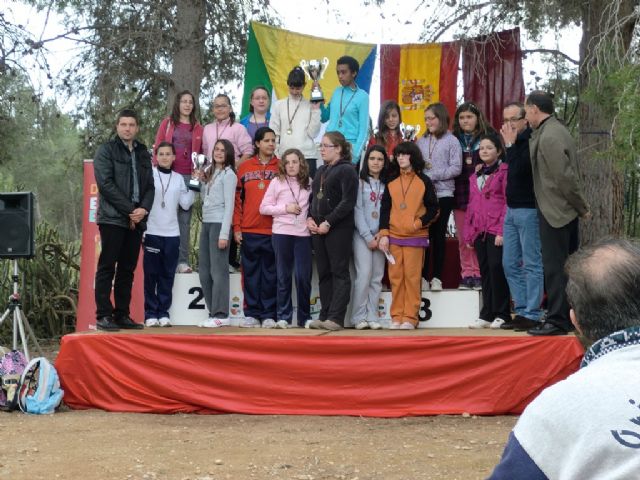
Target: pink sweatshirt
280	193
235	133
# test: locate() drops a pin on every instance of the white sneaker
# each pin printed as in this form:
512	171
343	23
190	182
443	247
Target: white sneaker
395	326
496	323
314	324
282	324
250	322
406	326
307	324
269	323
479	323
362	325
233	269
436	284
151	322
164	322
375	326
184	268
216	322
425	285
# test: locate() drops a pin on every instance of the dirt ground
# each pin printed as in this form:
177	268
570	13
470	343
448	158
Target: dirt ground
96	445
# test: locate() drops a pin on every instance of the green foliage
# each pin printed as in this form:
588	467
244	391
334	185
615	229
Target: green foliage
48	284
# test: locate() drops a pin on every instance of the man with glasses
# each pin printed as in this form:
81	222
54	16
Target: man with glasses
521	257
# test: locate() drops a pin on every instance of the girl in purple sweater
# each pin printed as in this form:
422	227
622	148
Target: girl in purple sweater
483	230
287	200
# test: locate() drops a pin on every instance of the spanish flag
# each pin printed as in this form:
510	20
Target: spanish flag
272	53
416	75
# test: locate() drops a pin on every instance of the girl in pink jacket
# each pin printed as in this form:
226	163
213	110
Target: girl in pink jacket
287	200
483	230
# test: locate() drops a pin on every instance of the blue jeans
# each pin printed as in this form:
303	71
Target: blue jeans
522	261
293	253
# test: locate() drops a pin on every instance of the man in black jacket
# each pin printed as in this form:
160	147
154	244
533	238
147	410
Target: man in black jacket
124	177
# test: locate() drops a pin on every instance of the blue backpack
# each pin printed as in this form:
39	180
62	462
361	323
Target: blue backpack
40	390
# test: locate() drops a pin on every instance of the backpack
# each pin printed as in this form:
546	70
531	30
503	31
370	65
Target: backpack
12	364
40	390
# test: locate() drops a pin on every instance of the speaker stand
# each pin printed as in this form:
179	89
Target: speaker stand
20	322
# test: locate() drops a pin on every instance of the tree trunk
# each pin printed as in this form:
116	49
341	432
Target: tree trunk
603	182
187	68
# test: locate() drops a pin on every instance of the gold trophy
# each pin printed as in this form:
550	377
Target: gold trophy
315	71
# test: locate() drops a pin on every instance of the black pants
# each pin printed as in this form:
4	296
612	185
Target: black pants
495	289
333	252
120	248
437	239
557	244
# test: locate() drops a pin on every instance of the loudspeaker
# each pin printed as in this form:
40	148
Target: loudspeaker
17	232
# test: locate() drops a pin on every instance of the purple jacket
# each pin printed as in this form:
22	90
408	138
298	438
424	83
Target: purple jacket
487	208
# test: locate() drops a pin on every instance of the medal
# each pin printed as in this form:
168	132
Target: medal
428	165
403	206
162	204
289	132
261	185
468	161
374	214
320	195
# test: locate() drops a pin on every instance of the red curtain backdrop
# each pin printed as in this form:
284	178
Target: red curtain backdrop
492	73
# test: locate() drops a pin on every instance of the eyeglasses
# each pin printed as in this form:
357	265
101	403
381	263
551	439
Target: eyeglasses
325	145
221	105
512	120
429	118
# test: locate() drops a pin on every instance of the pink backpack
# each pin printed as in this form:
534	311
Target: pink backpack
12	364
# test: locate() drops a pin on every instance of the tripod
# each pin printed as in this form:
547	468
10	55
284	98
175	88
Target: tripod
20	322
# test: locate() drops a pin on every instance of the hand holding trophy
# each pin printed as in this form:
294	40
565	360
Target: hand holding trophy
315	71
409	132
201	166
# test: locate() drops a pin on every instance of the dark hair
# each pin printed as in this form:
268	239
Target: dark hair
442	114
338	139
482	127
296	77
166	144
256	88
260	134
415	155
127	113
496	140
229	157
542	100
520	105
175	112
364	171
232	115
303	173
350	62
603	286
385	109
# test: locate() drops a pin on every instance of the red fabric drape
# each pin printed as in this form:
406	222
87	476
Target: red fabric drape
381	376
492	73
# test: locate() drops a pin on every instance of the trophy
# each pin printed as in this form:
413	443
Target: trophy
409	132
200	164
315	71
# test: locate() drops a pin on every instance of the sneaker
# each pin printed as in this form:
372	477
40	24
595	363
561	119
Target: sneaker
151	322
233	269
164	322
269	323
496	324
216	322
184	268
479	323
476	283
314	324
395	326
425	285
436	284
250	322
362	325
282	324
466	283
406	326
374	326
331	325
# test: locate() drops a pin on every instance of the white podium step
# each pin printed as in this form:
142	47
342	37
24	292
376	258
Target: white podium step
443	309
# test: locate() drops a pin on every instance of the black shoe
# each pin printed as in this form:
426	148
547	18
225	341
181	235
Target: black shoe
522	324
128	324
107	324
546	329
508	325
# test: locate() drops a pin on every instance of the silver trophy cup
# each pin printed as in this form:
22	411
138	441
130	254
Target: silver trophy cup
315	71
201	164
409	132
